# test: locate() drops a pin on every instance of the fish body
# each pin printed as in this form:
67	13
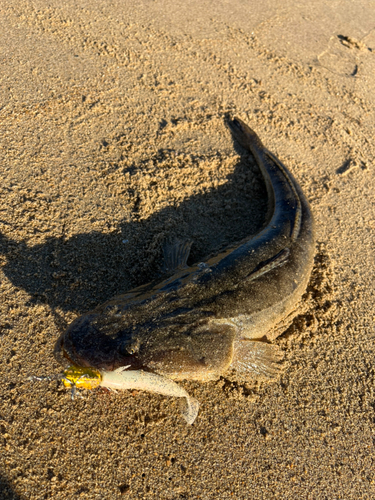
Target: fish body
210	318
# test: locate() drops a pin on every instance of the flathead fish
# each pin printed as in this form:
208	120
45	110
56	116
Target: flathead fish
214	317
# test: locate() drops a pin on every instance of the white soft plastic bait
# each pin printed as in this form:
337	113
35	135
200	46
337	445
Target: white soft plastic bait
88	378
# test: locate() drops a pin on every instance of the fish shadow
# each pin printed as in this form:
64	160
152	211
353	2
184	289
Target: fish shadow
84	270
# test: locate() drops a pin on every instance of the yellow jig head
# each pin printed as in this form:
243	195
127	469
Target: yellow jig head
81	378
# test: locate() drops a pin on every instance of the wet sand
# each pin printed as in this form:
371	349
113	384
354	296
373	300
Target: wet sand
113	139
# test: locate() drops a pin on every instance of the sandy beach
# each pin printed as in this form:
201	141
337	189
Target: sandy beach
112	140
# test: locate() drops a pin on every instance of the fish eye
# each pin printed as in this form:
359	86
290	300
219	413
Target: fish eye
129	348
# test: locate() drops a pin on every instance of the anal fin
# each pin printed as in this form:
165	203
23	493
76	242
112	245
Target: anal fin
257	359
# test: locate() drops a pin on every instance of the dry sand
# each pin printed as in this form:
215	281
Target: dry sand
112	138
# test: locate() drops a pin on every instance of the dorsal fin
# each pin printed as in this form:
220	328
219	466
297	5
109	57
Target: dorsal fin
176	254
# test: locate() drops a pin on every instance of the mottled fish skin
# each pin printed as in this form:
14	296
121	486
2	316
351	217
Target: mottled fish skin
209	318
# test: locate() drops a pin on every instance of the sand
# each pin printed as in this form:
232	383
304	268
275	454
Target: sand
113	139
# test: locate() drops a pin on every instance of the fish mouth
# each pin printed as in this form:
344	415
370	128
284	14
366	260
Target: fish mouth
59	353
68	355
84	345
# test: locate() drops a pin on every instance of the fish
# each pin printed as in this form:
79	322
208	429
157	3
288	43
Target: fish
89	378
221	316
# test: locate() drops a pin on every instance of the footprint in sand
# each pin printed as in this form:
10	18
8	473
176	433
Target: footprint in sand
345	55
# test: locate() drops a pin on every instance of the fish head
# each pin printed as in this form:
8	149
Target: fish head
90	343
187	345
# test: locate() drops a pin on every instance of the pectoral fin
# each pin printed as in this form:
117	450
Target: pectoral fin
257	359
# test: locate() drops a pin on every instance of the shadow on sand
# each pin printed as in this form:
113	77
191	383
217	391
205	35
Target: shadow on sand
6	490
80	272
